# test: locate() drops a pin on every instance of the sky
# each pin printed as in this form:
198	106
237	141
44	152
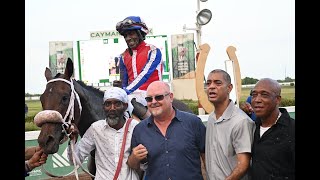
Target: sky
263	32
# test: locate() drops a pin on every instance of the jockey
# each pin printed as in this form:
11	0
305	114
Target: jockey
140	63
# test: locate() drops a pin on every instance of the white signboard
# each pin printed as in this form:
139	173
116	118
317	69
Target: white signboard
109	34
97	58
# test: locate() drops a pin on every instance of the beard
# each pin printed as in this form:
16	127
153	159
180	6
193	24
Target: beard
156	113
156	109
113	121
113	117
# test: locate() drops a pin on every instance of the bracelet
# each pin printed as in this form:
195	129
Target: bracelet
27	166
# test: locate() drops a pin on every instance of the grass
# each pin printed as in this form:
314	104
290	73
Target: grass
287	92
30	126
34	106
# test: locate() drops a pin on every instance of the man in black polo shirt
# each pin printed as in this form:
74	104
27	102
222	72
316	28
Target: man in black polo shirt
273	151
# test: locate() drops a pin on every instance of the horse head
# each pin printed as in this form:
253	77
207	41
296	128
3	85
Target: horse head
61	106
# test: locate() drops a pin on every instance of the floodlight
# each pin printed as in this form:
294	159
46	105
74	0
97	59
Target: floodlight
204	17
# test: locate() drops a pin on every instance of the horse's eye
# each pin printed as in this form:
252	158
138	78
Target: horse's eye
65	99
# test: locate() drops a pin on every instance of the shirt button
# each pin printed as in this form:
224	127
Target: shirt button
168	165
167	152
165	139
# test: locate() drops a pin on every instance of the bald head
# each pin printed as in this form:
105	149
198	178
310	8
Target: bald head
160	105
158	86
273	85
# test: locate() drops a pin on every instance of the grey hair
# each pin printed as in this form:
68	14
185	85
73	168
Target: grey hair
226	76
274	85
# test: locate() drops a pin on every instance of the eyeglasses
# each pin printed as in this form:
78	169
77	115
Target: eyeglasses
157	97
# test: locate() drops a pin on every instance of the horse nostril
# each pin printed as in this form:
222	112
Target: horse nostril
50	139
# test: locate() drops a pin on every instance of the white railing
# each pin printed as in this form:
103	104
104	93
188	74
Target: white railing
32	135
28	98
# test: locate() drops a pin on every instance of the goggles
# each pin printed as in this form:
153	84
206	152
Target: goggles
127	23
157	97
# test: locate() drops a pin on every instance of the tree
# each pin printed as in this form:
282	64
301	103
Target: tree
248	80
288	79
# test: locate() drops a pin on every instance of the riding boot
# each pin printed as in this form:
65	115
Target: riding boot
139	110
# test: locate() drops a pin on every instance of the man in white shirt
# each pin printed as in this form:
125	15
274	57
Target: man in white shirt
106	137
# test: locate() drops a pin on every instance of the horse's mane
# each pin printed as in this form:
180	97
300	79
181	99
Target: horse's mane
96	91
57	75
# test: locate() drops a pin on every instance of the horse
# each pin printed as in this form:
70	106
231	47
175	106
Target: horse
71	101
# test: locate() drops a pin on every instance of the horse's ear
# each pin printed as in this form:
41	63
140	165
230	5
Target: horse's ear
48	74
69	69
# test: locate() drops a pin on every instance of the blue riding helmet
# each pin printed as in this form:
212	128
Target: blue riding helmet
132	23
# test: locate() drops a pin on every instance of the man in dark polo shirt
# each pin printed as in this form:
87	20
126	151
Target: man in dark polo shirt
273	151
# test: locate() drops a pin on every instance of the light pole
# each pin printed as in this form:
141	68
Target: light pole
203	17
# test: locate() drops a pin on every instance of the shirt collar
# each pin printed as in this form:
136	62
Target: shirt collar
283	119
228	113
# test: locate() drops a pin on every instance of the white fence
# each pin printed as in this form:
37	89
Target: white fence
33	98
31	135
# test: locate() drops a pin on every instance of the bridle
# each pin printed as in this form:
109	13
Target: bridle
70	110
41	118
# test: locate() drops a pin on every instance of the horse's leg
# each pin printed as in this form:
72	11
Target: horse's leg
92	163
